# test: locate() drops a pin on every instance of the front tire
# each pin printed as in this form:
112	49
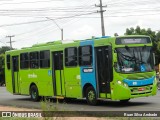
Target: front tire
124	101
91	96
158	85
34	93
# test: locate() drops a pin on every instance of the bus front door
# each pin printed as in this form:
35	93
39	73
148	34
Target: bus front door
58	78
15	74
103	68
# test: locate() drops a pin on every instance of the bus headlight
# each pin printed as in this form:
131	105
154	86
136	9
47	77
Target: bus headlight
119	82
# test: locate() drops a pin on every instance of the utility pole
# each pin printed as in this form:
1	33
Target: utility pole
58	27
10	36
102	18
62	34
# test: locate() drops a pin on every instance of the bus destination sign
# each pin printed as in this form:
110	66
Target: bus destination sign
140	40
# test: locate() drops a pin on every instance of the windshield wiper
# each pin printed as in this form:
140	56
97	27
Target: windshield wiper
126	57
139	61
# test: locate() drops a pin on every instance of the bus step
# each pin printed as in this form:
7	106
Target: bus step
16	94
59	97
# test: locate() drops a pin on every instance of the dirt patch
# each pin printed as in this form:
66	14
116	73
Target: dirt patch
9	108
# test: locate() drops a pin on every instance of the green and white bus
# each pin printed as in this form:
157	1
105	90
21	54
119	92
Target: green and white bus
116	68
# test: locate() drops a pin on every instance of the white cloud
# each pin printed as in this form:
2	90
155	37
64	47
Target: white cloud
3	33
83	32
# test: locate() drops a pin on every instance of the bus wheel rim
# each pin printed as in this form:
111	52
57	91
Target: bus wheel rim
91	95
33	94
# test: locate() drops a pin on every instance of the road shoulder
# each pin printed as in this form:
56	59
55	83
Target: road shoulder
12	108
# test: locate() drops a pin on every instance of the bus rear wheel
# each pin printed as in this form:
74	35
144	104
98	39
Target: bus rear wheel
91	96
34	93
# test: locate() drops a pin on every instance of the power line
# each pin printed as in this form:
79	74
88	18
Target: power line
123	2
39	32
33	30
50	30
45	20
123	10
27	2
42	15
131	15
6	0
36	11
22	23
132	10
52	8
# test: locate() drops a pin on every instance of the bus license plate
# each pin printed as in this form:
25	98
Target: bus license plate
141	89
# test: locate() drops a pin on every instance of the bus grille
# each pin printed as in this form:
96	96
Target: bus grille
141	90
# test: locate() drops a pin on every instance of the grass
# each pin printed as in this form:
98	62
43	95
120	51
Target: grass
49	110
47	105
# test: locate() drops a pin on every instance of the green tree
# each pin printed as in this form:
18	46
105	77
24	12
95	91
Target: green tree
158	46
130	31
116	34
138	30
3	49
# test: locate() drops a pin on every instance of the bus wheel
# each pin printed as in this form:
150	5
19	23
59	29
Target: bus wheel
124	101
91	96
158	86
34	93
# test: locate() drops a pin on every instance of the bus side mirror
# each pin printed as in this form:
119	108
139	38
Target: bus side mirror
154	61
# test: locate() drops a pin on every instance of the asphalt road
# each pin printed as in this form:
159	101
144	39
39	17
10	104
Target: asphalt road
139	104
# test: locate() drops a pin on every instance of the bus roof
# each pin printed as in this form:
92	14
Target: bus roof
75	42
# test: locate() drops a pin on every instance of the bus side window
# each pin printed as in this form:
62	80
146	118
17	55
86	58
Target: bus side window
44	59
15	64
85	55
71	56
8	61
34	60
24	60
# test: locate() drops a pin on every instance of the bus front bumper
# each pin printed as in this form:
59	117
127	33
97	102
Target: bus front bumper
123	92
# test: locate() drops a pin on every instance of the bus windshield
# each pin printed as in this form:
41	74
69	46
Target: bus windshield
134	59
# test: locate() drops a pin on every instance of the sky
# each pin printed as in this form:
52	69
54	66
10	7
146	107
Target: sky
39	21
